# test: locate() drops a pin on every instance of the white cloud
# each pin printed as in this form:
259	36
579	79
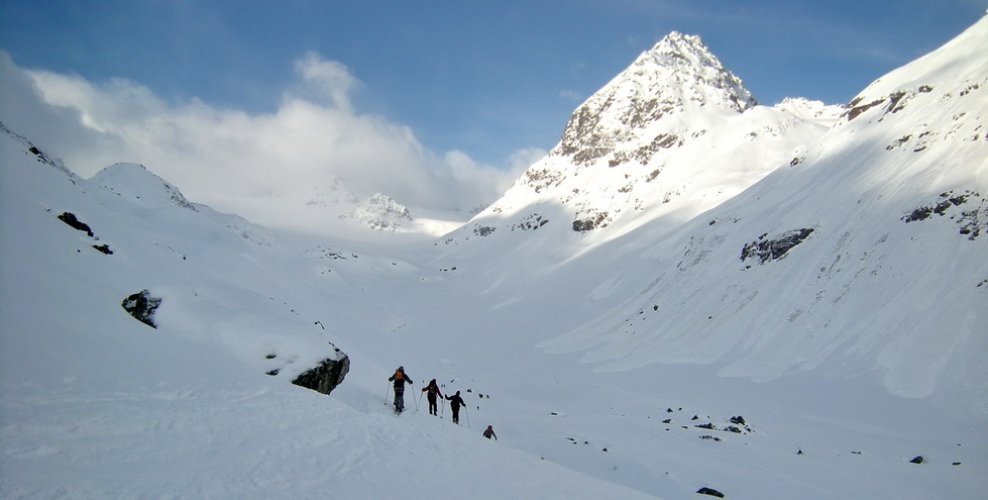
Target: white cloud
330	78
232	159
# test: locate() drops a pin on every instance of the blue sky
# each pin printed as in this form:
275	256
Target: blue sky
484	77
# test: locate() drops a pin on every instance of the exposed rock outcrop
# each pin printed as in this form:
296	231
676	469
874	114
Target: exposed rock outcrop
142	306
327	375
765	249
74	222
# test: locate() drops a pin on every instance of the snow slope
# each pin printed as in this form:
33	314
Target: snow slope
637	356
97	404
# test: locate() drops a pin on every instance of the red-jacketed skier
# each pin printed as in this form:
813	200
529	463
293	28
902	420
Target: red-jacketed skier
399	379
431	391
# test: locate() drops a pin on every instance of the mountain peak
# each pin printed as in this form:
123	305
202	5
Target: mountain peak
689	69
679	45
678	74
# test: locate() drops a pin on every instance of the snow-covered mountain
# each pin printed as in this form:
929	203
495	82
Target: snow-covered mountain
673	135
382	212
910	150
692	293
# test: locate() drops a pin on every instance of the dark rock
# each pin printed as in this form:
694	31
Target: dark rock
739	420
710	491
590	223
667	421
70	219
707	425
917	460
484	230
142	306
531	222
856	108
766	250
921	213
542	179
325	377
896	102
970	221
104	248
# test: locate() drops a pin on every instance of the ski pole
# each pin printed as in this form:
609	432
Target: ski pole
443	412
419	401
386	391
465	412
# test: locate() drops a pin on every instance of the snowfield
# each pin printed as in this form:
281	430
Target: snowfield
789	304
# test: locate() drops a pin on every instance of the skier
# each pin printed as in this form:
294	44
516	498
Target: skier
399	378
455	402
490	433
431	391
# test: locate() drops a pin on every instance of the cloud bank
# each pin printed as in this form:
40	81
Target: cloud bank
311	151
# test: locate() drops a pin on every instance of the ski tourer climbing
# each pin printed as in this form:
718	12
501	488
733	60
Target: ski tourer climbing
489	432
455	402
431	391
400	378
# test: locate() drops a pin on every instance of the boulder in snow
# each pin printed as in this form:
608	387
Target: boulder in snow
70	219
142	306
710	491
325	377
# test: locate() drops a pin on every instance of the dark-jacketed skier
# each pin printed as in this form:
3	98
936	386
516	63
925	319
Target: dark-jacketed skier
431	392
399	379
489	432
455	402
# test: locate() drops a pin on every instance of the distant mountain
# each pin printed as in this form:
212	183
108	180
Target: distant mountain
673	135
382	212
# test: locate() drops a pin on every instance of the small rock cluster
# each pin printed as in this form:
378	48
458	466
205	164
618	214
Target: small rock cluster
972	207
764	249
73	221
